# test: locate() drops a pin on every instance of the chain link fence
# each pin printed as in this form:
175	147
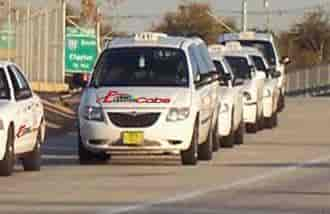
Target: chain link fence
35	40
309	81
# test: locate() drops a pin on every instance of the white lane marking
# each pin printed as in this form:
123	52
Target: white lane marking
52	125
197	193
60	157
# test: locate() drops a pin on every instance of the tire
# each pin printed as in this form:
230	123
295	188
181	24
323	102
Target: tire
275	120
32	160
239	135
87	157
216	141
281	103
269	123
205	150
8	162
190	156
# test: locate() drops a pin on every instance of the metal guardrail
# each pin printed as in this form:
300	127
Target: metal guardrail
39	39
313	81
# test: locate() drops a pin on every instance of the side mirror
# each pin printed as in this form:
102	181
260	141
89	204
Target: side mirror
197	78
226	77
239	82
285	60
276	74
81	80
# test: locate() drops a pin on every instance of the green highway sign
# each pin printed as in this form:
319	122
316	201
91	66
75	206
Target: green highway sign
80	50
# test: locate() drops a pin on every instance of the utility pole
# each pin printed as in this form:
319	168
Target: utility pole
244	15
266	6
9	30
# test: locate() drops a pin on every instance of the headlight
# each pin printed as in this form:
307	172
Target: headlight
247	96
224	108
267	93
93	113
178	114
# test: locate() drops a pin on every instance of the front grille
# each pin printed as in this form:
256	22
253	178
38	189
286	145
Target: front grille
138	120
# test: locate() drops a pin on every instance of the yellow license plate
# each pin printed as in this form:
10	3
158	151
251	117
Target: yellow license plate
133	138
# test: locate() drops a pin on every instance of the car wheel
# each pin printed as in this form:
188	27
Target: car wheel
190	156
275	120
205	150
216	143
87	157
239	136
8	162
32	160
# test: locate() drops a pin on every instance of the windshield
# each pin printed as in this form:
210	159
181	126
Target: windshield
265	47
239	66
141	66
4	88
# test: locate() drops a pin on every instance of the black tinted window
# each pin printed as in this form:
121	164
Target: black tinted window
141	67
266	49
259	63
240	67
4	87
20	84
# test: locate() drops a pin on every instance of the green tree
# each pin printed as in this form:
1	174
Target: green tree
192	19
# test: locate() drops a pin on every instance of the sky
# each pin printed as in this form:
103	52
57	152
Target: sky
157	8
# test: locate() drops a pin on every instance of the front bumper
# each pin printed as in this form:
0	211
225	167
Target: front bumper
250	113
162	137
268	107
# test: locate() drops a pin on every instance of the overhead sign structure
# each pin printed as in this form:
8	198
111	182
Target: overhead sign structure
80	50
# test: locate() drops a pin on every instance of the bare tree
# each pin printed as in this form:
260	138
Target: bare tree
192	19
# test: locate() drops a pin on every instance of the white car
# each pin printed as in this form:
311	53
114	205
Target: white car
150	94
22	125
271	89
231	126
244	68
265	42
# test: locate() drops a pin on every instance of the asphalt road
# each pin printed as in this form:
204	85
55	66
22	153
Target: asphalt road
283	171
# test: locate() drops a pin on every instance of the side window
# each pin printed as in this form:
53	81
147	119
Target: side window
194	64
206	57
200	61
4	87
21	87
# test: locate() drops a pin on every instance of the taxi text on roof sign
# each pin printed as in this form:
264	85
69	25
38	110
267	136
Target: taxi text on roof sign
233	46
216	48
247	35
149	36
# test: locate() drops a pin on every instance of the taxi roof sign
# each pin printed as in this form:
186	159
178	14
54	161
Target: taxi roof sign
149	36
233	46
247	35
216	48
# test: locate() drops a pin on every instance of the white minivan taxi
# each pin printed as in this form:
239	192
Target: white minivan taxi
231	126
271	89
244	68
265	42
22	124
150	94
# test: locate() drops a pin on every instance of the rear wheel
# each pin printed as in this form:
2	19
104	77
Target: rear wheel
32	160
7	164
205	150
87	157
275	120
190	156
216	143
239	135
